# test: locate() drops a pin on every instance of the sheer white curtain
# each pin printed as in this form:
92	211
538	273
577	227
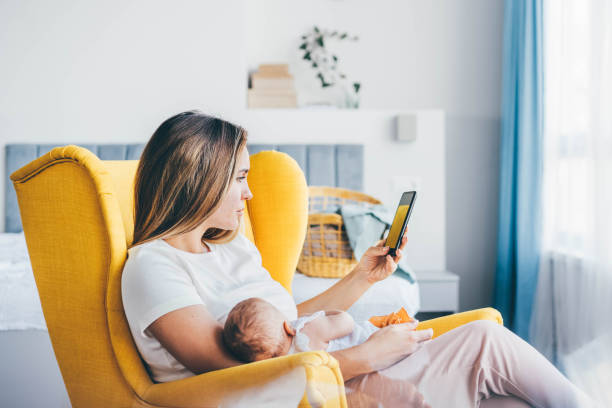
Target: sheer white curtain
572	319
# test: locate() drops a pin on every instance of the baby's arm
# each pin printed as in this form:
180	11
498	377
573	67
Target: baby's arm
333	325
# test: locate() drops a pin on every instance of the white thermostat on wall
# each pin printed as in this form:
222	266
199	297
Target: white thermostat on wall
407	127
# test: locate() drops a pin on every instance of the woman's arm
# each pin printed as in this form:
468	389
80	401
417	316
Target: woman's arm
375	265
340	296
194	338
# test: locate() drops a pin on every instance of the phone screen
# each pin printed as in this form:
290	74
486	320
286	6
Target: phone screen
400	221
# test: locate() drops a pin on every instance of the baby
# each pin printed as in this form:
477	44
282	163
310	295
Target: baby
256	330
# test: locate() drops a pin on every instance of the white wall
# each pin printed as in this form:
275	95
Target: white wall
410	54
77	71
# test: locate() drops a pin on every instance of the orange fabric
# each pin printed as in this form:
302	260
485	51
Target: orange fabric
401	316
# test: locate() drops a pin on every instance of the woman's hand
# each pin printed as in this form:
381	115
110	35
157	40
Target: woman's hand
384	348
376	263
392	343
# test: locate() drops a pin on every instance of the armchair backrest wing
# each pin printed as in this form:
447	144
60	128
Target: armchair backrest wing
278	212
77	246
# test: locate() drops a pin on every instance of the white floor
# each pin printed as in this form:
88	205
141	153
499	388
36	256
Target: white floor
29	375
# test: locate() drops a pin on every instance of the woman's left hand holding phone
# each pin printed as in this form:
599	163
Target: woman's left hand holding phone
376	264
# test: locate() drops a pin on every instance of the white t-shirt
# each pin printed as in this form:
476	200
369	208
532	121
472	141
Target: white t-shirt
158	278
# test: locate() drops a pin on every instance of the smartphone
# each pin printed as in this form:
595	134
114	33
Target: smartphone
404	209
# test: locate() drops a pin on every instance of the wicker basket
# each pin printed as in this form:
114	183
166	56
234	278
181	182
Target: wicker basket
327	252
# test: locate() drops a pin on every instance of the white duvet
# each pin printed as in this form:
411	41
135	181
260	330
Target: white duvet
19	303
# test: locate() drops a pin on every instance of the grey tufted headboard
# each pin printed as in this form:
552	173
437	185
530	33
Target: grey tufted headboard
323	165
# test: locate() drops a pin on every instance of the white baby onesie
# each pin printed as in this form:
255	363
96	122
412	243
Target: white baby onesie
301	342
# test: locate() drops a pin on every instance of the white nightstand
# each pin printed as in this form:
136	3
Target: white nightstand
439	291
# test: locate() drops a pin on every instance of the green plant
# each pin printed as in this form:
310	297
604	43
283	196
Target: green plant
322	61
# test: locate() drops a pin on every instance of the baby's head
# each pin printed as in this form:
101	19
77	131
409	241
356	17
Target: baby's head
255	330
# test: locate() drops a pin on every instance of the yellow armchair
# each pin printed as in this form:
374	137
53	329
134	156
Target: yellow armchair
77	214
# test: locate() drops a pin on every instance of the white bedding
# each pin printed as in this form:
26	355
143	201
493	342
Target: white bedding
19	303
20	306
382	298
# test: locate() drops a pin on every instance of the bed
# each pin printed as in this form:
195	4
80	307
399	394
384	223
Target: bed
27	354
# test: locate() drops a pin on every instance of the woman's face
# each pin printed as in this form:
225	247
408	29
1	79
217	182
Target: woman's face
228	215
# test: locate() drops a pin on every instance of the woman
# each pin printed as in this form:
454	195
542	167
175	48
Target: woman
188	266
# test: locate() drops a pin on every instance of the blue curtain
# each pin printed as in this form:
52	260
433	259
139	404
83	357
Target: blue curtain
521	164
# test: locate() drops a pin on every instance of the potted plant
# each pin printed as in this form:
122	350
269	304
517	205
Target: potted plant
325	63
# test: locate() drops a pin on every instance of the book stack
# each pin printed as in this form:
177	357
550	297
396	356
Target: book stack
272	87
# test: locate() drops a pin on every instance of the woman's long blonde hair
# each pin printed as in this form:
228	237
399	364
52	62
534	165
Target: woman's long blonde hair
184	172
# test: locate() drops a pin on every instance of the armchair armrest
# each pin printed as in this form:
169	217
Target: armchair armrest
311	378
443	324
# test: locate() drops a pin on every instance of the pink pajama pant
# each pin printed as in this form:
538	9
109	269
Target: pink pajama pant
478	364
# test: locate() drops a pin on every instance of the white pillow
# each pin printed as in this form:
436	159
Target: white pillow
382	298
